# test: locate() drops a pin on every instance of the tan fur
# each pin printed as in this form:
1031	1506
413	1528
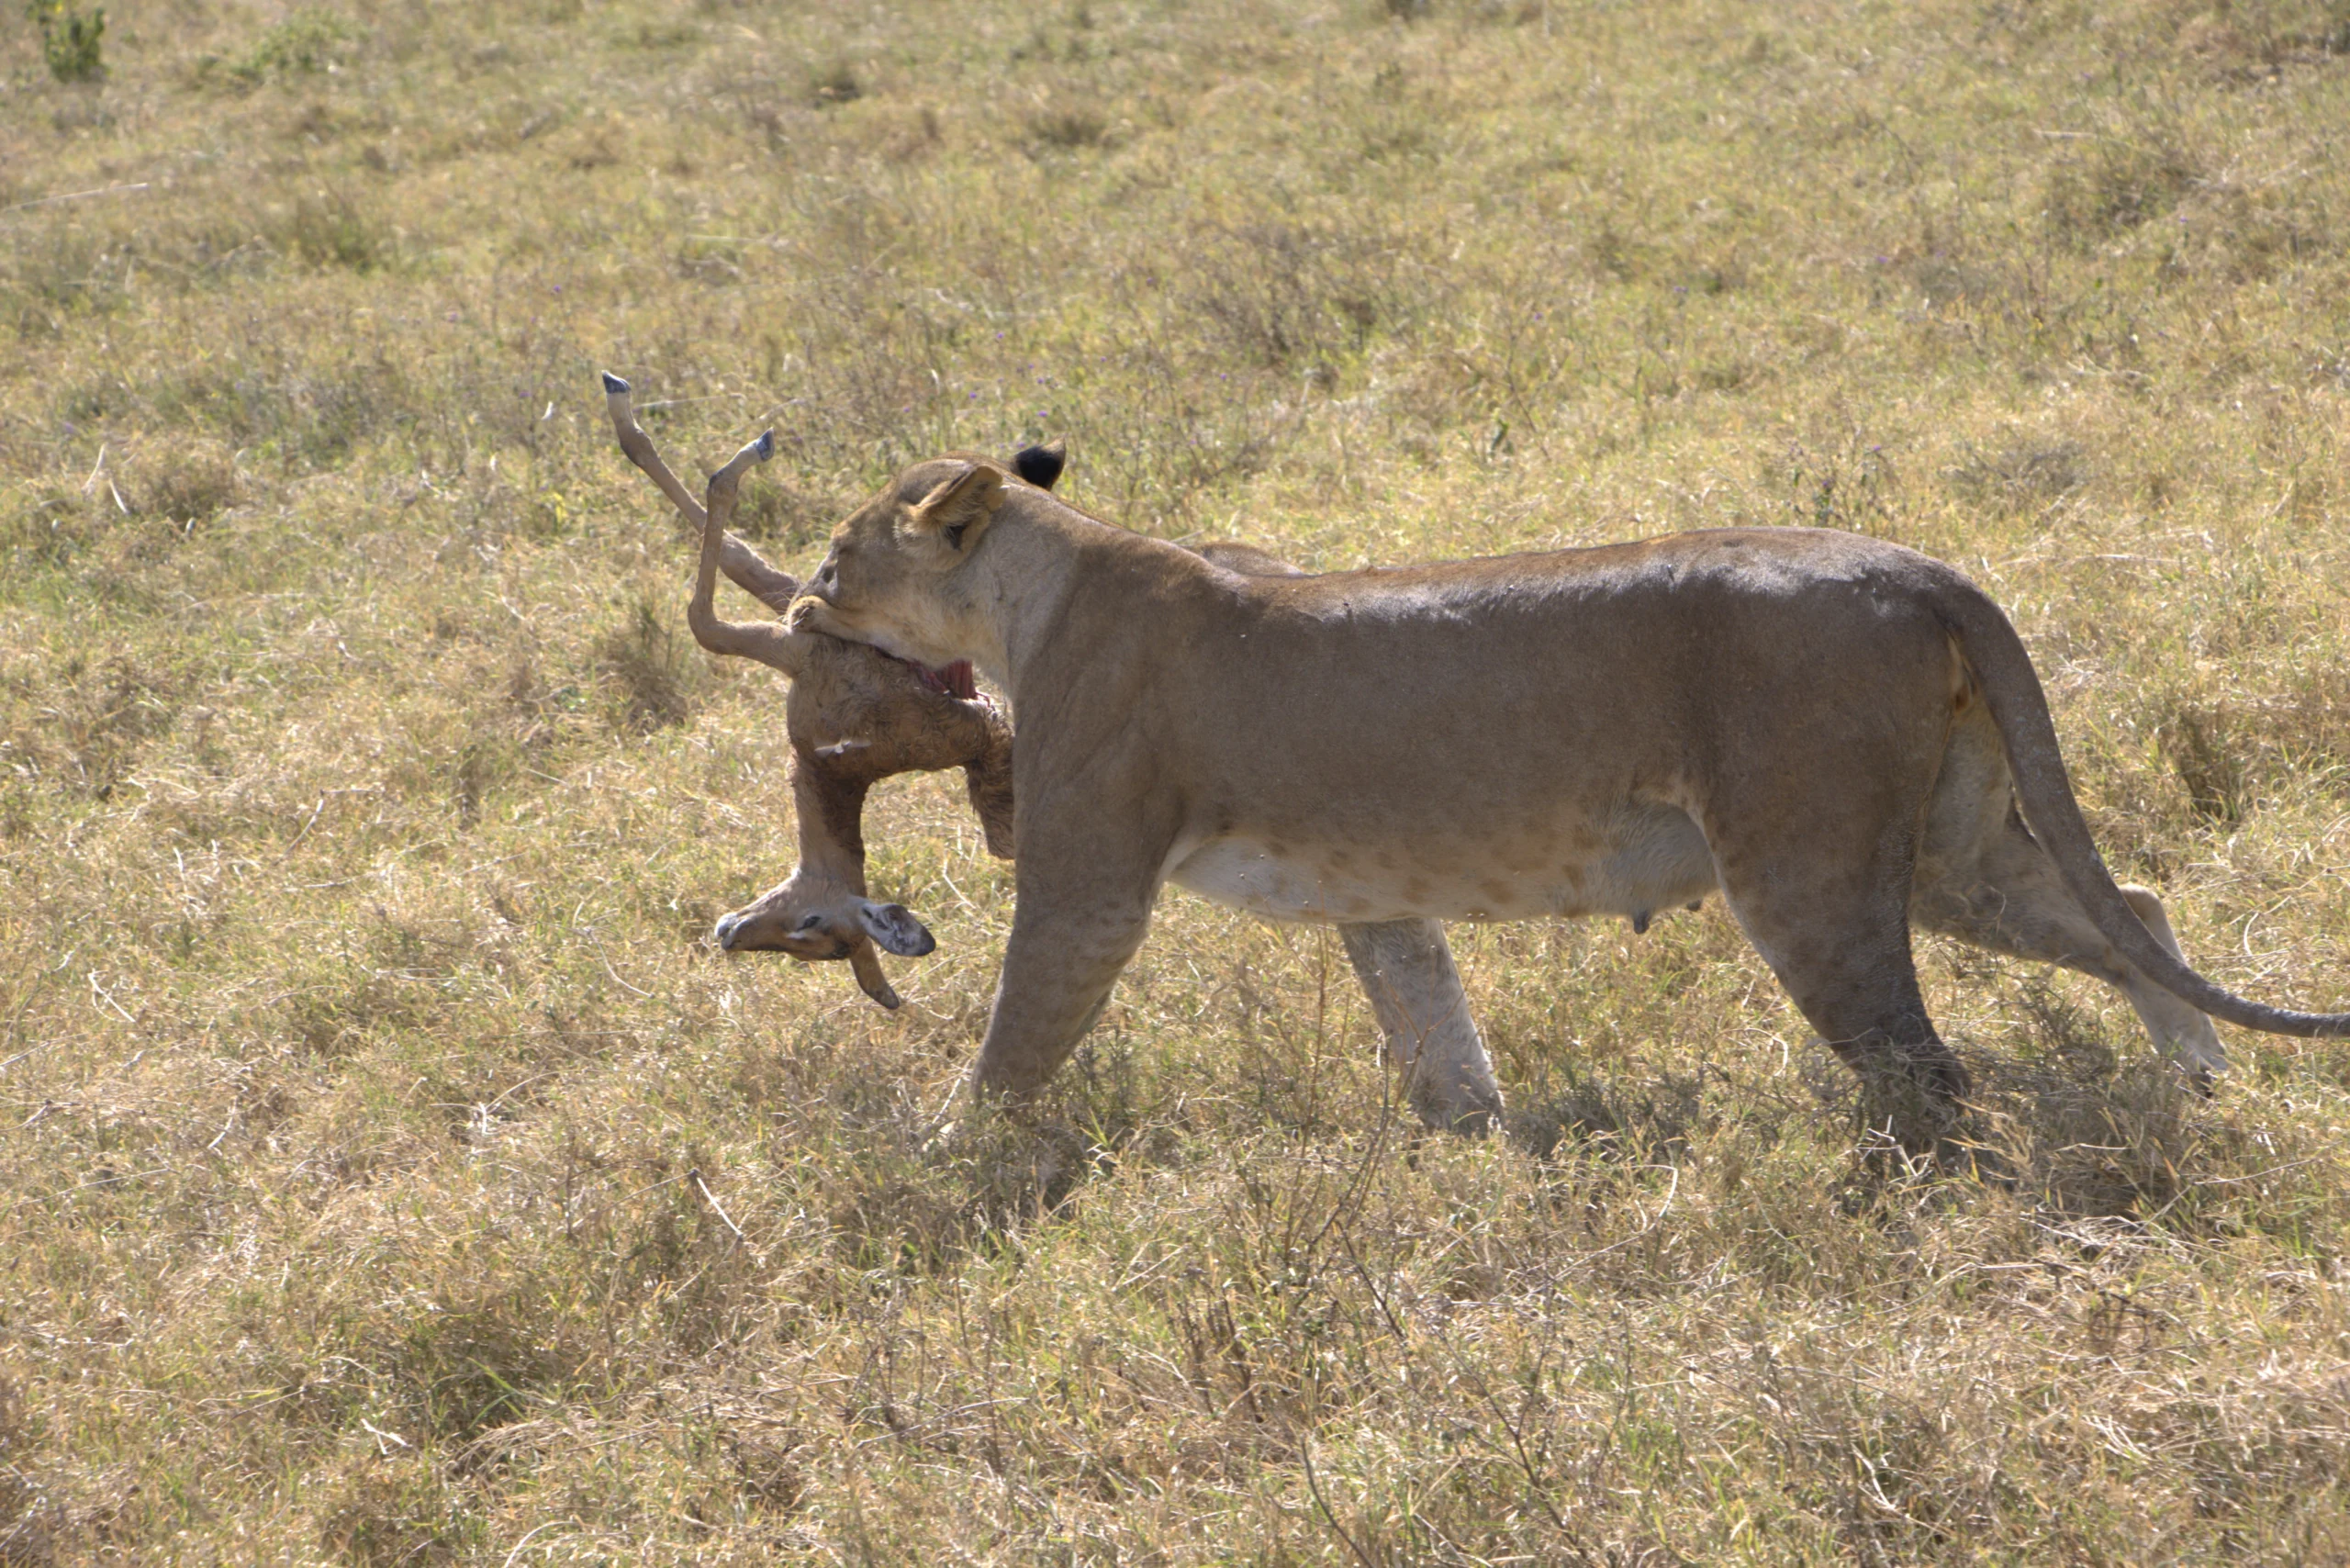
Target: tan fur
855	716
1841	735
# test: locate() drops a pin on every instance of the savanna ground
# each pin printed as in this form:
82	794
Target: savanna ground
388	1170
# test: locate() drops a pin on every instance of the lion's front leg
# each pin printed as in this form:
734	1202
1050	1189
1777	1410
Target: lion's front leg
1081	913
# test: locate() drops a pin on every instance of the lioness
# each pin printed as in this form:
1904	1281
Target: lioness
1835	732
855	716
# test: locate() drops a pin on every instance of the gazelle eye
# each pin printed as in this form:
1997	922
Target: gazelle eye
812	922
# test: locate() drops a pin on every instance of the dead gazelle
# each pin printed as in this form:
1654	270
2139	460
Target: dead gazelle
854	716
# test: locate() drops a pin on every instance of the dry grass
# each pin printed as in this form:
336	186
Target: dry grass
387	1172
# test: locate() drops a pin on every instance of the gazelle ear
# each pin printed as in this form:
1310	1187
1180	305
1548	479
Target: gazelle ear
957	512
869	978
895	929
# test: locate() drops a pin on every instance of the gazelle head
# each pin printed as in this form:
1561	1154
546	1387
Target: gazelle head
815	919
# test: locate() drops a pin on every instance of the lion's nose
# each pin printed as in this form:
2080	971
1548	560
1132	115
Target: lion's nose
728	924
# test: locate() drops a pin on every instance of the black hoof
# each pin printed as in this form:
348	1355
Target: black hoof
613	383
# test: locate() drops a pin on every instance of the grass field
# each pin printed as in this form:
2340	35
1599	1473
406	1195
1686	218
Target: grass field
390	1174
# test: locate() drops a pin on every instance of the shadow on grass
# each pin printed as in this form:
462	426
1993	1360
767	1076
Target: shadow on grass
1609	1117
2095	1129
2082	1122
920	1196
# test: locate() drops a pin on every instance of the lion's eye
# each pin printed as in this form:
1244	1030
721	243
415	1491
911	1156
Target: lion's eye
812	922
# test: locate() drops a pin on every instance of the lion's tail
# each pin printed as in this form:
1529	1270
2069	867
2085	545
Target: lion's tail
2021	708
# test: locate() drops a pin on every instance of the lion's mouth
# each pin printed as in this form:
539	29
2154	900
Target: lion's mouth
949	680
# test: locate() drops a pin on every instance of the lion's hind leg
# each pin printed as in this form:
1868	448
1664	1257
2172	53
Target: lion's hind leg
1839	941
2008	897
1406	969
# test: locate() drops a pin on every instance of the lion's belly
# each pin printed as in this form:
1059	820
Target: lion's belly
1650	858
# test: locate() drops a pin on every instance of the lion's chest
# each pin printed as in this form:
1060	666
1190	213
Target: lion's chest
1644	858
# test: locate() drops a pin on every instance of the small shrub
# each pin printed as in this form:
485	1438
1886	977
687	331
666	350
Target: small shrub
1283	297
16	822
397	1510
483	767
1069	128
777	513
103	719
327	229
190	483
652	670
2198	747
305	43
1849	485
24	1529
2120	186
70	41
2021	473
835	84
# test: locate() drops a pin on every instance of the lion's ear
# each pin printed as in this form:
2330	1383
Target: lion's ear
1040	465
959	509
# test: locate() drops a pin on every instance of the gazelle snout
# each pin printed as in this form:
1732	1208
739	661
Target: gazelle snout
728	924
